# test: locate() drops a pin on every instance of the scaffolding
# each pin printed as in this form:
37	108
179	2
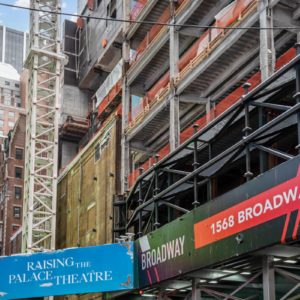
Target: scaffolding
44	63
250	136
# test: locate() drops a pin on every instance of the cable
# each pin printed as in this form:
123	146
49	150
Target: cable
149	22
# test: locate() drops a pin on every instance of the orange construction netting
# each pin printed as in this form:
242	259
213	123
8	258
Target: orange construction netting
138	6
109	98
153	32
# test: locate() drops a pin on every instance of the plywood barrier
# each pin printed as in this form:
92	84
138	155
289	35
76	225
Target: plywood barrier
85	192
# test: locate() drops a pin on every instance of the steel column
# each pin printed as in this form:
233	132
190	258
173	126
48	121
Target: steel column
195	166
268	278
248	174
196	292
297	95
174	100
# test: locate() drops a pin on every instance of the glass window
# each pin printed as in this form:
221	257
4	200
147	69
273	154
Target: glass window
15	228
18	102
1	133
1	112
7	83
11	114
19	153
18	193
17	212
7	101
18	172
1	123
17	85
11	124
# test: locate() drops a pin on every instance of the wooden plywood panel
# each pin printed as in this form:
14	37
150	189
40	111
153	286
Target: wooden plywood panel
88	188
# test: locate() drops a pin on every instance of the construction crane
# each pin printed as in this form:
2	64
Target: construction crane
44	62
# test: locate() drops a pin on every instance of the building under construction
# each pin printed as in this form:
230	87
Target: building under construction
182	126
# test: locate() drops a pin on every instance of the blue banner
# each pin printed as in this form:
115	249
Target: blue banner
70	271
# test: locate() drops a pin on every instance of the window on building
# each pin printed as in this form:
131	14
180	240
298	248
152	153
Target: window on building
11	124
7	83
1	133
1	112
7	101
17	212
18	102
17	85
11	114
19	153
1	123
18	172
15	228
18	193
111	10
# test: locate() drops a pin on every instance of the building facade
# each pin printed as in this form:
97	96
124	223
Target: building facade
13	47
209	131
12	186
11	103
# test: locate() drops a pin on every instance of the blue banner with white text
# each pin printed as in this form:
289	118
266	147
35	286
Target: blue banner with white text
65	272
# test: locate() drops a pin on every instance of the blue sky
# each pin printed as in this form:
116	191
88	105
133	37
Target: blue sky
19	18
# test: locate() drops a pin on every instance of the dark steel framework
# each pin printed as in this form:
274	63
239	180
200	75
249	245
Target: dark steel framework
258	132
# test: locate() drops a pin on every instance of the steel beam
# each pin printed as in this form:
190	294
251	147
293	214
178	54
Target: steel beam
196	32
248	98
146	57
217	158
232	38
141	17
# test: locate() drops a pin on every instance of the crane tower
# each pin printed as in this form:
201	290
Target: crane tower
44	62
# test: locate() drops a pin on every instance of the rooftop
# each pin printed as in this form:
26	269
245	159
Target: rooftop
9	72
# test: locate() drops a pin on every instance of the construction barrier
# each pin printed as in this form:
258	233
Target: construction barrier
221	107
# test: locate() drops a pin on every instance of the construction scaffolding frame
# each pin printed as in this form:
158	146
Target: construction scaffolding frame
140	211
44	62
254	277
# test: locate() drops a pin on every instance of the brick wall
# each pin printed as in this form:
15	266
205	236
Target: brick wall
12	201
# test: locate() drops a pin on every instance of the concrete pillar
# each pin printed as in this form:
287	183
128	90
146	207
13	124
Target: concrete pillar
267	48
126	102
125	148
174	100
268	278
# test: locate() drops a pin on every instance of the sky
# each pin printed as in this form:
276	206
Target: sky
19	18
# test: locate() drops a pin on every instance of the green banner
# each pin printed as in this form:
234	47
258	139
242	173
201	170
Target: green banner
257	214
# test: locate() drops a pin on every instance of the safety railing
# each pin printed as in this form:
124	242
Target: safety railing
110	88
138	6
